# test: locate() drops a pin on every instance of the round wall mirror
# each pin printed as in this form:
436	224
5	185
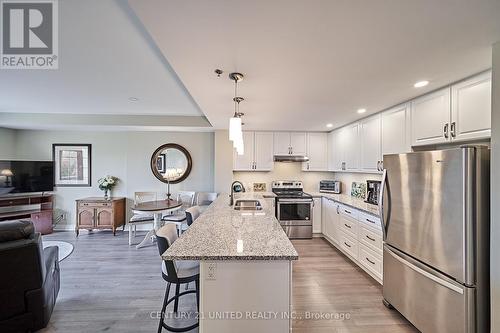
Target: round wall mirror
171	163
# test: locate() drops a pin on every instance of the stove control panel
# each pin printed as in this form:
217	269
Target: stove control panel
287	184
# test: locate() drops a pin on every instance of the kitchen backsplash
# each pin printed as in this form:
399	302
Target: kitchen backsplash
283	171
348	178
293	171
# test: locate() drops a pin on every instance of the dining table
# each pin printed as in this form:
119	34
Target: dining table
157	208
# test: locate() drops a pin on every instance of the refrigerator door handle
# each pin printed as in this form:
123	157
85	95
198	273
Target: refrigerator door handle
425	273
381	204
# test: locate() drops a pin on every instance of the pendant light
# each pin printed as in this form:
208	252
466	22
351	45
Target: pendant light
235	123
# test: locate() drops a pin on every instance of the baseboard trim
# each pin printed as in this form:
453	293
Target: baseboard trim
67	227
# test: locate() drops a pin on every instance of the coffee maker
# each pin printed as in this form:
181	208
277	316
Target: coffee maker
373	191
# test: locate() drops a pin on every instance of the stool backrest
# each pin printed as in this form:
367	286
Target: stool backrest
205	198
192	214
140	197
165	237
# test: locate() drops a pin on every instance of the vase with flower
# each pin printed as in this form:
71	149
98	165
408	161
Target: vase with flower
106	184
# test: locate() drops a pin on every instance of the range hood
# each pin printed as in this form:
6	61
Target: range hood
290	158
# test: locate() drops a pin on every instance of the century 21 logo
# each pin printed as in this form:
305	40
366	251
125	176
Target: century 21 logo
28	34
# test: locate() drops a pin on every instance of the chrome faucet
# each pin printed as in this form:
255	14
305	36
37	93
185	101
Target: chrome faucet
231	196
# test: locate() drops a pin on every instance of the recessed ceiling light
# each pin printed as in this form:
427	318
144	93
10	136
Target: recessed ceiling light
133	99
421	84
361	110
329	125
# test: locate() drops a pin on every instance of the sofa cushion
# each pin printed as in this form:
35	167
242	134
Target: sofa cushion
16	230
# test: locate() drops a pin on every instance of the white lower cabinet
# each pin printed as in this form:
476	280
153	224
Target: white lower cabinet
349	244
317	216
356	233
370	260
330	219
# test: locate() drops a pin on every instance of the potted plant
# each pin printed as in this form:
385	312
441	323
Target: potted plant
106	184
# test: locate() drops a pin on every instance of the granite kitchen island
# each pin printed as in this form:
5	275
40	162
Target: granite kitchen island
245	267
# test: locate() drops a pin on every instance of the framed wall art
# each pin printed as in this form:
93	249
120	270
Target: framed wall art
72	164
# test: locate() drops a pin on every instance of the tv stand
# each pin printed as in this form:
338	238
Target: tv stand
36	207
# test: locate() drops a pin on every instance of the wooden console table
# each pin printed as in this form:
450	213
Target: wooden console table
99	213
36	207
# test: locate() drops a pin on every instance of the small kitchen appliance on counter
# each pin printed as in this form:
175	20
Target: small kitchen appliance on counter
330	186
294	208
372	191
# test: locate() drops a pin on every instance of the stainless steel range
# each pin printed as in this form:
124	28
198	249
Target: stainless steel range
294	208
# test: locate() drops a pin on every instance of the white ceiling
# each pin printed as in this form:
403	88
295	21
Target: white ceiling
106	56
308	63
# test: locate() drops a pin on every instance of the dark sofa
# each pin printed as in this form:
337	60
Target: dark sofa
29	278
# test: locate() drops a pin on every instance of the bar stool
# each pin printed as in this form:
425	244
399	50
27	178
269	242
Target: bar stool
192	214
178	272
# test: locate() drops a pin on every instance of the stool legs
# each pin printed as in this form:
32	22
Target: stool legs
176	302
175	299
163	308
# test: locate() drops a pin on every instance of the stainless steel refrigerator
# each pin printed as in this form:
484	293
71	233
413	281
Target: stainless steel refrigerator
436	210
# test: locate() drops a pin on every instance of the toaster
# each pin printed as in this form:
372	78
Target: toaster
330	186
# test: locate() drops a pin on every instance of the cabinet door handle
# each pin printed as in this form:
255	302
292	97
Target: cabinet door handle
372	239
347	225
347	211
371	262
338	210
347	244
371	221
453	129
445	130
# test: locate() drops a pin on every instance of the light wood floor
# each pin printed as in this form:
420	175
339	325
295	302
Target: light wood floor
107	286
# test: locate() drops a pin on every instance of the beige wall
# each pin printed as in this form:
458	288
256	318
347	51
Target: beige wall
495	193
7	143
125	155
223	162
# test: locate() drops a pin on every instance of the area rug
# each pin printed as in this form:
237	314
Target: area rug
65	248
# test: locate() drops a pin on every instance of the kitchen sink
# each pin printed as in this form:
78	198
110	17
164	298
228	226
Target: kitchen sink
247	204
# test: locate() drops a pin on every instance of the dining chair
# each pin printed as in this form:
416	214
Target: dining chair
176	272
144	218
179	217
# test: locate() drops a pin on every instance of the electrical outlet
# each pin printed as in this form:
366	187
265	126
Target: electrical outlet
211	271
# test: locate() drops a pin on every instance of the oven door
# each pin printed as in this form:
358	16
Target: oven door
294	211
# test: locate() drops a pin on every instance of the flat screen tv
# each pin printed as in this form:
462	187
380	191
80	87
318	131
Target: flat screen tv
26	176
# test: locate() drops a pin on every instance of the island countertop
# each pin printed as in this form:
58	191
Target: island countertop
222	233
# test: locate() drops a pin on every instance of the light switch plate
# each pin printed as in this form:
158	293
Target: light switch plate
211	271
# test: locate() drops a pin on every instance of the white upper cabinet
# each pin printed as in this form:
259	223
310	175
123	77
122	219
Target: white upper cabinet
335	150
317	151
258	152
430	118
471	109
281	143
395	130
298	143
263	151
461	112
350	143
290	143
369	138
245	162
